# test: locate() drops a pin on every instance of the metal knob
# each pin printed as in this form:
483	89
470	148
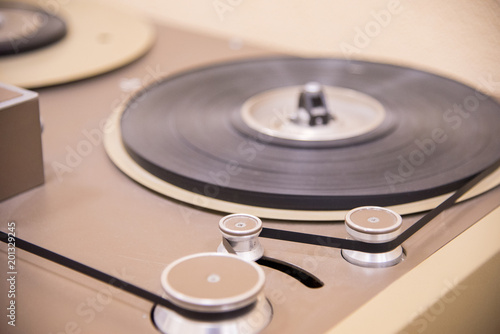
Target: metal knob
241	231
212	282
215	293
373	224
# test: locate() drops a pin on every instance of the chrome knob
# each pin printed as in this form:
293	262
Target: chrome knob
373	224
241	231
213	293
212	282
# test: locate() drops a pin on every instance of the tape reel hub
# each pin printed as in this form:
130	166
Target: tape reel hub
276	113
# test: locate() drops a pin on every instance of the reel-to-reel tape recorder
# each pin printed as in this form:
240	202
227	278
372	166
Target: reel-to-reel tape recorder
208	189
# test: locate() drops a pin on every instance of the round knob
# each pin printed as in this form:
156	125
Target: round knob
242	232
373	224
212	282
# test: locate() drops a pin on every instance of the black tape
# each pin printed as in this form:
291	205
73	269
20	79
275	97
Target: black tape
355	245
266	233
88	271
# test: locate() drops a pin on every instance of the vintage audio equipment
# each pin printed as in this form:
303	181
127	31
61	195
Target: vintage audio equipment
198	185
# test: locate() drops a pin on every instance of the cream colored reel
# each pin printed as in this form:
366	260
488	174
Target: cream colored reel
118	154
110	39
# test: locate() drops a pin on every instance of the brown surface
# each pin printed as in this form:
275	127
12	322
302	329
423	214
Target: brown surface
21	166
8	94
91	212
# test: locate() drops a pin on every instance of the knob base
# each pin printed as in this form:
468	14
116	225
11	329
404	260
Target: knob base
374	260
